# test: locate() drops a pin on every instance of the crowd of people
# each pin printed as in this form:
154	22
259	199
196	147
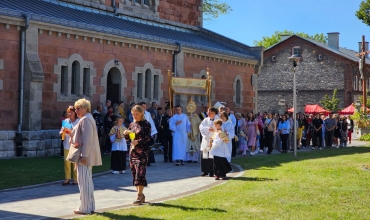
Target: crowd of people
214	136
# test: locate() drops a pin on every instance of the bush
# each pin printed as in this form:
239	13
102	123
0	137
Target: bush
365	137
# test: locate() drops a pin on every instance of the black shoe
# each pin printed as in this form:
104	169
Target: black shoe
211	175
189	161
195	161
203	174
217	178
177	164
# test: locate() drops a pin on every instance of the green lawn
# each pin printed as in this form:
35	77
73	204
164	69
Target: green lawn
327	184
19	172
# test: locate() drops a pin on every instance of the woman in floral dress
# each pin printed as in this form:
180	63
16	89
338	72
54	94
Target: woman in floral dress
139	151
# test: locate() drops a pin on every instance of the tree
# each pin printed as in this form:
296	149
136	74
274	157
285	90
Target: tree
276	37
331	103
363	13
213	9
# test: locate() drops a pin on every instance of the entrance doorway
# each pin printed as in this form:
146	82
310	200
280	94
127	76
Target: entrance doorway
114	83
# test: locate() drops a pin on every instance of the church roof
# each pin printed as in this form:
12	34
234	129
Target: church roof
77	16
344	52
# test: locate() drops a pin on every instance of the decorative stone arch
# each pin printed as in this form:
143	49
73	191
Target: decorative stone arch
197	99
103	81
155	87
238	105
68	63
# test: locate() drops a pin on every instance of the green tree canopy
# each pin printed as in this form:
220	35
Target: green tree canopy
363	13
214	8
331	103
276	37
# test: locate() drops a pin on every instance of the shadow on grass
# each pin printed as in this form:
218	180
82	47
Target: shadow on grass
257	179
186	208
116	216
276	160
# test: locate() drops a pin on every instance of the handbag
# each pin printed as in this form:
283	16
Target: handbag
74	154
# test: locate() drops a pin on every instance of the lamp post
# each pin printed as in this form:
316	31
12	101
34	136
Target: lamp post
295	59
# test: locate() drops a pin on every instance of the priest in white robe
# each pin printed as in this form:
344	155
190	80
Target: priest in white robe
206	129
180	125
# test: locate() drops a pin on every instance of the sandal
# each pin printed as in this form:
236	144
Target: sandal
66	183
139	201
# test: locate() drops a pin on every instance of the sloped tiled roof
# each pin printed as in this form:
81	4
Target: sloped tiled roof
344	52
51	11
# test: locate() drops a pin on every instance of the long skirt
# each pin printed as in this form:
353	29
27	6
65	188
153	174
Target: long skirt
138	169
118	160
221	166
206	165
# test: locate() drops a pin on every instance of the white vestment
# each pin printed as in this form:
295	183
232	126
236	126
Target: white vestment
149	118
219	147
180	136
206	135
228	128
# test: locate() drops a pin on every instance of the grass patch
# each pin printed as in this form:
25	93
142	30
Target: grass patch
19	172
328	184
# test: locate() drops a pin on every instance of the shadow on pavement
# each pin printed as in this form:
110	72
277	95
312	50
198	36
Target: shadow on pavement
242	178
186	208
130	217
19	215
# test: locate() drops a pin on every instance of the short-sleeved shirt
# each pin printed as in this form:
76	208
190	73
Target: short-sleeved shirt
330	123
317	123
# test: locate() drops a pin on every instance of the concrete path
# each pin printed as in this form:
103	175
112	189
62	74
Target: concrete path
112	191
166	181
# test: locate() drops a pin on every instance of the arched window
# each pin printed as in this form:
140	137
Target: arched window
86	82
238	92
140	85
75	84
156	87
64	80
148	84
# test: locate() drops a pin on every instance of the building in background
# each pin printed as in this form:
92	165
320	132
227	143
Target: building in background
117	50
323	68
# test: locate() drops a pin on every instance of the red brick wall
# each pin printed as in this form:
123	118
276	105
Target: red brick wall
184	11
224	75
52	47
9	96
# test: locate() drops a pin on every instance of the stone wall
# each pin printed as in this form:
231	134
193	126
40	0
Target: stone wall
35	143
314	77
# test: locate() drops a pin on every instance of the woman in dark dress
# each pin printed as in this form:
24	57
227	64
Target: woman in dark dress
139	151
337	133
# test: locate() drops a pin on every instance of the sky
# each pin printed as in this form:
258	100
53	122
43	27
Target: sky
252	19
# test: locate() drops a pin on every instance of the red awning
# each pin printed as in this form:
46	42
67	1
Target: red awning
348	111
313	109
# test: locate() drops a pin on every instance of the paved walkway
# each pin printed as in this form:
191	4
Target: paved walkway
166	181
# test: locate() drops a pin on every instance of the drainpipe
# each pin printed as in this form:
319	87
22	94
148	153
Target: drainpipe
18	135
175	58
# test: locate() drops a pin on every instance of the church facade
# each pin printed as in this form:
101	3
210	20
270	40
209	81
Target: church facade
119	50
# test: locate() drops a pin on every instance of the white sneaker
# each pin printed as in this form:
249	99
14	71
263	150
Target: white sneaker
313	148
260	151
320	148
115	172
122	171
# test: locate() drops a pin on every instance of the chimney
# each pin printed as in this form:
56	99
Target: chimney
333	40
366	48
284	37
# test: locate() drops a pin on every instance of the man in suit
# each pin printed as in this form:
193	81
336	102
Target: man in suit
153	110
166	139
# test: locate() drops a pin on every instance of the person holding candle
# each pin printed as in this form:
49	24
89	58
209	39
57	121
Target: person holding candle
67	126
119	147
139	132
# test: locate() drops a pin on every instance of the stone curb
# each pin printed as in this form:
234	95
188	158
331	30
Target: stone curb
239	171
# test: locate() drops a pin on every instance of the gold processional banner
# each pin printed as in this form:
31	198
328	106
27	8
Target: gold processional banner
186	82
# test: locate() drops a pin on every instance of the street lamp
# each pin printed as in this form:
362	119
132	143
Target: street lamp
295	59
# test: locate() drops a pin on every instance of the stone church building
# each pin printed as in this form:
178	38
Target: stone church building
323	67
57	51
